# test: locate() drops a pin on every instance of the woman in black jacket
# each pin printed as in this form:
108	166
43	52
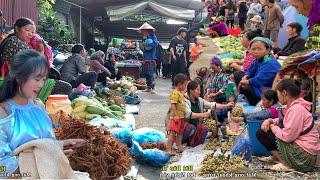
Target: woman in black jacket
295	42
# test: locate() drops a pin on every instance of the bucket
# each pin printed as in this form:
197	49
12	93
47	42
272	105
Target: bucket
257	148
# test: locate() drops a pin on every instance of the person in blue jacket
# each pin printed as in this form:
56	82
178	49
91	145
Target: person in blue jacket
150	43
261	73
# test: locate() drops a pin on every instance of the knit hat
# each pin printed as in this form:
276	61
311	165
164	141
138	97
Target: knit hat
216	61
262	39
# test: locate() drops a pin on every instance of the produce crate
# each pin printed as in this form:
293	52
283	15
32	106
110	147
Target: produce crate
130	71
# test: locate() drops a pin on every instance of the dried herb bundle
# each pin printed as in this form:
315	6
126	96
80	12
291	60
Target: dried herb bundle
160	145
103	157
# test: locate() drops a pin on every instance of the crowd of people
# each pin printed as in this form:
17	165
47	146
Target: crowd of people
288	130
289	133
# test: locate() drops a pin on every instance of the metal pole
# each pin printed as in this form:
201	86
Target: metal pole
80	32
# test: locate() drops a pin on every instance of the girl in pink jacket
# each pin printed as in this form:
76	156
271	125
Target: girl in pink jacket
293	138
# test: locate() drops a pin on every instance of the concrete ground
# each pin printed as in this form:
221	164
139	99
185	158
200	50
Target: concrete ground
153	111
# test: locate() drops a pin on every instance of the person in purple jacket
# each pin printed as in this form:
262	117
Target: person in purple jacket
219	28
262	71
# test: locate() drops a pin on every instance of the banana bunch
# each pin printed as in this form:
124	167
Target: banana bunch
221	164
90	108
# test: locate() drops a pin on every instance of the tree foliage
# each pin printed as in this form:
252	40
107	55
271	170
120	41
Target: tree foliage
50	26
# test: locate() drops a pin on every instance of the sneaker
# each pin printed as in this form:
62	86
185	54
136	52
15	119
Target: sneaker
152	91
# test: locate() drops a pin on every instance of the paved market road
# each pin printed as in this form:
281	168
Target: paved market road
153	111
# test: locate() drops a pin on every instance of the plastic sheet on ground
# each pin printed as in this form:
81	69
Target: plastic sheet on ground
111	123
191	157
132	109
154	157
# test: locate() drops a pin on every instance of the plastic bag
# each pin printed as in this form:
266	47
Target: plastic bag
123	134
154	157
132	100
112	123
242	147
148	135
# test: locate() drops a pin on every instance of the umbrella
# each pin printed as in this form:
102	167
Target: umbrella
290	15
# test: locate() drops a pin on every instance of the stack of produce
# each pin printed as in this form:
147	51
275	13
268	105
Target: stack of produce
124	86
237	111
160	145
211	124
228	146
220	164
140	84
232	44
89	108
103	157
111	96
212	145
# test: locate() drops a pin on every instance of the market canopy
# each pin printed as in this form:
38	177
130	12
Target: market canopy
120	12
120	9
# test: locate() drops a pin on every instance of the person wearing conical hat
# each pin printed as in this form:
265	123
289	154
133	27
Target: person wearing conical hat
150	43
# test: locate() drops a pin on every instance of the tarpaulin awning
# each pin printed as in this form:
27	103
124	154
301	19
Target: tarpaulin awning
120	12
310	64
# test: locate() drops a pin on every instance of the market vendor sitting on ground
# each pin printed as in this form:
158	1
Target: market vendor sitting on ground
196	108
293	138
149	64
218	28
74	68
19	108
110	64
96	65
248	58
295	42
262	72
217	86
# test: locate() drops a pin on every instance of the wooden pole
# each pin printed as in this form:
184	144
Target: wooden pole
314	91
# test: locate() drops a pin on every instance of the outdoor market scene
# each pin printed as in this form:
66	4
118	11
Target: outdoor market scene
159	89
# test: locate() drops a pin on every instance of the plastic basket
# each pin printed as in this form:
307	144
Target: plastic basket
257	148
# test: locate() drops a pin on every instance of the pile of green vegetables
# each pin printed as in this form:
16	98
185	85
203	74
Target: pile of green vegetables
92	107
232	44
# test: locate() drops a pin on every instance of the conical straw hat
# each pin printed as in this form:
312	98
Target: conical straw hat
146	26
